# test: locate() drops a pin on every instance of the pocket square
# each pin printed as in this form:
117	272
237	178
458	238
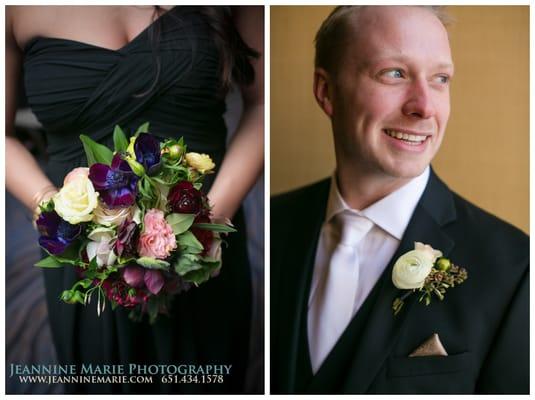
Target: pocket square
431	347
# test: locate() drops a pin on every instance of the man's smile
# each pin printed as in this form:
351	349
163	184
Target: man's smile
411	139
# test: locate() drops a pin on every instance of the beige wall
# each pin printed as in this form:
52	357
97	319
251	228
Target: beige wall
485	153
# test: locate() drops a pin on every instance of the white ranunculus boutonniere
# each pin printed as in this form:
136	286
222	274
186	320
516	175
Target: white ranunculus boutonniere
424	270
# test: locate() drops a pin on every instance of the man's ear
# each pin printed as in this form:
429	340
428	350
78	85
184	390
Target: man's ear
323	90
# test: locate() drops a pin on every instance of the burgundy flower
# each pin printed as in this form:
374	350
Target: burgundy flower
183	198
117	185
117	291
204	236
127	236
56	234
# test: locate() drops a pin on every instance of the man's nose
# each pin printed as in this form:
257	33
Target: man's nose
419	102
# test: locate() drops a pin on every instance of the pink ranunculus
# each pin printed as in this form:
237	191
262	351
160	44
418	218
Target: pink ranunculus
157	239
75	173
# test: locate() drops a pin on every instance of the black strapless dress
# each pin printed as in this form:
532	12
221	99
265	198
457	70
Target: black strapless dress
77	88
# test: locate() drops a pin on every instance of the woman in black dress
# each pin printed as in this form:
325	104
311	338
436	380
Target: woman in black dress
89	68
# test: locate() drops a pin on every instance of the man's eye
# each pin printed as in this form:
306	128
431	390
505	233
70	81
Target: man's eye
442	79
393	73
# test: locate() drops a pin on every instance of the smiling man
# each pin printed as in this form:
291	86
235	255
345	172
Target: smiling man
341	321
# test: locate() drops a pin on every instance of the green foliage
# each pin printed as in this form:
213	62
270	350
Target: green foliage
203	274
152	263
195	269
187	263
180	222
120	143
215	227
69	256
95	152
143	128
188	243
49	262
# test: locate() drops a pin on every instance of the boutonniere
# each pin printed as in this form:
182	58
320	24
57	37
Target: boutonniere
424	271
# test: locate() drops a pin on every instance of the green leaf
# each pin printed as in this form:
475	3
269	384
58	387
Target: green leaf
152	263
189	243
85	283
180	222
142	129
123	261
215	227
202	275
197	277
119	139
49	262
73	296
187	263
95	152
69	256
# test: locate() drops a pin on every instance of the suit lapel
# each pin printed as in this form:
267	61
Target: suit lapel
300	259
434	210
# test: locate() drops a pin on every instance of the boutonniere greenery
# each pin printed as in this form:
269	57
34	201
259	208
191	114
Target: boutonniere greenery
424	271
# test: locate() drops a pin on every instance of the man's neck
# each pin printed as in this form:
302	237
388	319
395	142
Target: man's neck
360	190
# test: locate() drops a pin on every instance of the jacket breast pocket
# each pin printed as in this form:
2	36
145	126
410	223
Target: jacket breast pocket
430	365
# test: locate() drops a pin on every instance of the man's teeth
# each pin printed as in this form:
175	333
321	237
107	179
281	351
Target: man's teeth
406	136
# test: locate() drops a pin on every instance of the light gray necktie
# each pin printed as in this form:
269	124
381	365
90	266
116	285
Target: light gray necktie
332	306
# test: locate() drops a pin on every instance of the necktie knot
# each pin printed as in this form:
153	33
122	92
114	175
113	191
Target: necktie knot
351	228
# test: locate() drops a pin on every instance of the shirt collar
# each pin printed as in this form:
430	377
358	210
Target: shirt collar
392	213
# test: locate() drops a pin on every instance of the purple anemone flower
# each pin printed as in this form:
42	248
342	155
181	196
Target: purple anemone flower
147	150
56	234
117	185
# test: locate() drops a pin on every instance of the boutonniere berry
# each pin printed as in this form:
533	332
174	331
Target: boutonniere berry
424	271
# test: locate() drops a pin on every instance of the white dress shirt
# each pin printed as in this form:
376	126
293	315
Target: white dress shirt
390	217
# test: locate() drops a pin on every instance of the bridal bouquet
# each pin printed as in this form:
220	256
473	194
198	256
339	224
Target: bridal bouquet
134	224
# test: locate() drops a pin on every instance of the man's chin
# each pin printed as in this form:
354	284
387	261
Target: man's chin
403	171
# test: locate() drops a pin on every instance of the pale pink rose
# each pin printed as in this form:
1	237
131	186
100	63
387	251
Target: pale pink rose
157	239
75	173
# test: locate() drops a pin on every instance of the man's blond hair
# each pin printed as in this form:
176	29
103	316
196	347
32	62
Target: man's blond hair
331	37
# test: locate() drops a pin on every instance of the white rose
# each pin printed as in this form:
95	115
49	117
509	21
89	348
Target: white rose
201	162
431	253
77	199
411	269
101	246
110	217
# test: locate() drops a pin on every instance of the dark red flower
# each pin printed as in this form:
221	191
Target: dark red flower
117	291
183	198
204	236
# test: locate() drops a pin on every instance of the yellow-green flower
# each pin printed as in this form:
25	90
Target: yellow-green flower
201	162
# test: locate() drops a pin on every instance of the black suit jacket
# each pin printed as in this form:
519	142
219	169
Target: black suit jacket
482	323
